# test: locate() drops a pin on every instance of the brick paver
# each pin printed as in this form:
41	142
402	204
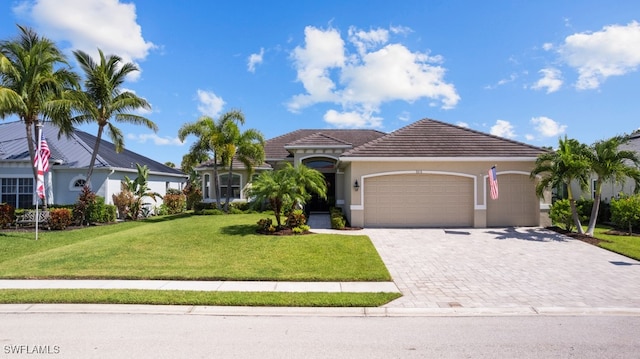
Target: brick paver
502	268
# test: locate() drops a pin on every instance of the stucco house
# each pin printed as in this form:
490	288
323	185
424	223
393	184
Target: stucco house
427	174
610	189
70	158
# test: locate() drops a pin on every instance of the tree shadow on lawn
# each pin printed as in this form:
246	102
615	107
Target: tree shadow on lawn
529	234
239	230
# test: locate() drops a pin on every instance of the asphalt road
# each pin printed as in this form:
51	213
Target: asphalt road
76	335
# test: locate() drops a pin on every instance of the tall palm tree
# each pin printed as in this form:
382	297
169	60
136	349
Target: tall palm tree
247	147
211	138
103	100
33	74
567	164
608	162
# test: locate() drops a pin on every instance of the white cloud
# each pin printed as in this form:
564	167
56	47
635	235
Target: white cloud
209	103
612	51
503	128
352	119
502	82
255	59
87	25
547	46
157	140
462	124
360	81
547	127
551	80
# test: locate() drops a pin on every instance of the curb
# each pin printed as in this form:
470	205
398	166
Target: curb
311	311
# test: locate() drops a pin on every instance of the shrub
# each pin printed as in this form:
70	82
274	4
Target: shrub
338	221
625	212
7	215
211	212
86	200
296	218
109	214
123	202
265	224
193	195
560	214
60	218
201	206
174	203
301	229
234	210
243	206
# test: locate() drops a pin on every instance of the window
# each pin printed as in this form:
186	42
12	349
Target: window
593	189
206	185
77	183
235	186
320	164
17	192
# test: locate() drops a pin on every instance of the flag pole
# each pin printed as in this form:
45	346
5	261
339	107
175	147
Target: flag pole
38	168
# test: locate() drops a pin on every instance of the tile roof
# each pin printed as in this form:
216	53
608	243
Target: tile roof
275	147
431	138
73	151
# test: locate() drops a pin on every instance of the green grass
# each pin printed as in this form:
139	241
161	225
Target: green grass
269	299
628	246
189	247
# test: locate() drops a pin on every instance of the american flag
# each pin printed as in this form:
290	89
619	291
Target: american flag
493	182
42	163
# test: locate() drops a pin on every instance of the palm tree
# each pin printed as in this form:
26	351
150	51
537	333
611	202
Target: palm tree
610	163
210	139
103	100
567	164
247	147
31	79
287	186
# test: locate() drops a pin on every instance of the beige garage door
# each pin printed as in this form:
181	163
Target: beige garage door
517	204
418	200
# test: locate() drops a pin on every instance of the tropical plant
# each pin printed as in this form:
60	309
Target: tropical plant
210	139
34	73
608	162
286	187
561	167
247	147
139	187
103	101
625	212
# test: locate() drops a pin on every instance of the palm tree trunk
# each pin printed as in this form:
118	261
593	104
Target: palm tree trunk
595	209
229	182
216	187
574	210
92	163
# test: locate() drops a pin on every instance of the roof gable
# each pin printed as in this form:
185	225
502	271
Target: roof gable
431	138
275	148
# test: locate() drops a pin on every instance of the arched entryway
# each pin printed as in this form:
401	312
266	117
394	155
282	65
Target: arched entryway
326	166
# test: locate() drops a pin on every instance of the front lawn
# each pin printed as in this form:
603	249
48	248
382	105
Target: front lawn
628	246
190	247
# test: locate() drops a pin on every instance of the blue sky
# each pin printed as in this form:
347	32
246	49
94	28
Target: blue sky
532	71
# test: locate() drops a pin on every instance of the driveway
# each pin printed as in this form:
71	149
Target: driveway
504	268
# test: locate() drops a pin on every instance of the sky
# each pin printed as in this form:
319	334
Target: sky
530	71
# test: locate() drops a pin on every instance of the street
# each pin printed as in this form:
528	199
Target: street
141	335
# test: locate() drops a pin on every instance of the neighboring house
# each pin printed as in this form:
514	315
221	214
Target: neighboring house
70	158
610	189
427	174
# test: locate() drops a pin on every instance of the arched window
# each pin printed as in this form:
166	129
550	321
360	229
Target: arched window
77	183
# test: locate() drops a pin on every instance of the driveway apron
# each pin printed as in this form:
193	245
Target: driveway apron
504	268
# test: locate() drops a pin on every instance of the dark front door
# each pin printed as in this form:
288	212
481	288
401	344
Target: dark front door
317	204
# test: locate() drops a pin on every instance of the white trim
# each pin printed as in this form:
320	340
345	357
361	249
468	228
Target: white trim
320	155
74	180
437	159
420	172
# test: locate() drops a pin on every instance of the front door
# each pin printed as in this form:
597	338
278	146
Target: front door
317	204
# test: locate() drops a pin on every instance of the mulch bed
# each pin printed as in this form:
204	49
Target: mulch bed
581	237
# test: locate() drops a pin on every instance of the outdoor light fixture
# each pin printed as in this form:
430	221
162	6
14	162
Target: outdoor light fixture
356	186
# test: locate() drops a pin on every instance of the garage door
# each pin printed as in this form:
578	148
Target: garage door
418	200
517	204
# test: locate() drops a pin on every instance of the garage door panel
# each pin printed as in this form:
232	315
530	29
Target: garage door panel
517	204
418	200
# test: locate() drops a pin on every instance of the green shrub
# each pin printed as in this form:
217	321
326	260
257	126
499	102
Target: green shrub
201	206
109	214
301	229
83	207
174	203
60	218
265	224
211	212
234	210
560	214
243	206
7	215
625	212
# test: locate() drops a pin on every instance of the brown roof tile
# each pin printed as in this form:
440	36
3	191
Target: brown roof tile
431	138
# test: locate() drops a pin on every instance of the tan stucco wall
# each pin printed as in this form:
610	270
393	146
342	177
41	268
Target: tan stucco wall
478	169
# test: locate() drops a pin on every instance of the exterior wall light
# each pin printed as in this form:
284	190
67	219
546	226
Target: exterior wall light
356	186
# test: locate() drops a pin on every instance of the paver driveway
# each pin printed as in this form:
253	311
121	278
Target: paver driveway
502	268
